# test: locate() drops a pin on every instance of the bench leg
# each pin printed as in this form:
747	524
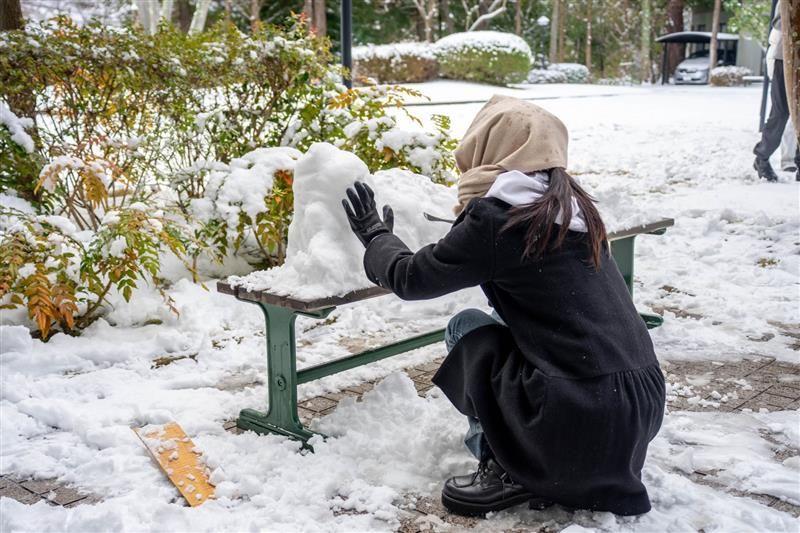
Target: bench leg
622	250
281	416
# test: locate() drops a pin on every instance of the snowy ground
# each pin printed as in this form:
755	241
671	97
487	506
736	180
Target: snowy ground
726	277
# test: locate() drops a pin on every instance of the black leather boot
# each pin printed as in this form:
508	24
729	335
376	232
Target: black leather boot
487	490
764	169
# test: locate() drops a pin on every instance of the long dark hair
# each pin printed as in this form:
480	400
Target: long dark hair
539	218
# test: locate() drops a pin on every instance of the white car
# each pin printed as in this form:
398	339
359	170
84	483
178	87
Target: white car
694	69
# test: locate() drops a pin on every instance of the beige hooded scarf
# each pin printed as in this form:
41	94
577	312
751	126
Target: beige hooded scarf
507	134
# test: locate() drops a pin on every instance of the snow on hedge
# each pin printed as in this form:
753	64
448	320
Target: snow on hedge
394	51
729	75
17	126
485	40
540	75
575	72
324	257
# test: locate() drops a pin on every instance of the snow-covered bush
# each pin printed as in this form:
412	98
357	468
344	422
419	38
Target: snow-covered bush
244	206
19	162
728	76
539	75
63	277
395	63
575	72
112	127
485	56
358	121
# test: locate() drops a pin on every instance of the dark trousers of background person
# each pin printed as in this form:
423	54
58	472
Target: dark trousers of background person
778	116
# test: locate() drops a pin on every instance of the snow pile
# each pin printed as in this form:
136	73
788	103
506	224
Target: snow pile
16	127
394	51
324	257
491	41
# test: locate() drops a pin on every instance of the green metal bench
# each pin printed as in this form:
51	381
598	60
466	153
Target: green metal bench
281	312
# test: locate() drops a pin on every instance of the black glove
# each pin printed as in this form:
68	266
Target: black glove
363	216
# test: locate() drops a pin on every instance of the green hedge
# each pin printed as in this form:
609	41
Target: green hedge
484	56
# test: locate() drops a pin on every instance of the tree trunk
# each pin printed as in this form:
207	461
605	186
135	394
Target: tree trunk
712	52
518	17
790	26
554	25
10	15
184	15
255	15
562	32
199	18
644	43
444	13
149	12
675	51
588	55
315	12
228	11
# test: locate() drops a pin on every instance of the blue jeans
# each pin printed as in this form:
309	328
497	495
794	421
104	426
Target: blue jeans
461	324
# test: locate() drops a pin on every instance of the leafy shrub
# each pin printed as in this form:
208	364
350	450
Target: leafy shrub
395	63
245	205
63	277
538	75
139	146
484	56
575	72
728	76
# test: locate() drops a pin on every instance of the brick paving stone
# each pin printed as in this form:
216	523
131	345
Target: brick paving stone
17	492
90	499
65	496
40	487
317	404
756	404
305	414
775	400
361	388
786	507
432	366
748	366
339	396
783	390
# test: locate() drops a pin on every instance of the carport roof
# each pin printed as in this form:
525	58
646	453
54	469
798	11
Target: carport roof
695	37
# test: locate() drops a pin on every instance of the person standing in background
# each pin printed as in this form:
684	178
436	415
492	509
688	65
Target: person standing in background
789	161
775	126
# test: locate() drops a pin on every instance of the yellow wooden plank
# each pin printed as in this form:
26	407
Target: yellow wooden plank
180	460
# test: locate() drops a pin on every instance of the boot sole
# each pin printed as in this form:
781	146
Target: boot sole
477	509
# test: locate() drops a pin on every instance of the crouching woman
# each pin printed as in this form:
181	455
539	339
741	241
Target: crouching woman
560	385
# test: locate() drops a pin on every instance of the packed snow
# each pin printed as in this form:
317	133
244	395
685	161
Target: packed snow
731	262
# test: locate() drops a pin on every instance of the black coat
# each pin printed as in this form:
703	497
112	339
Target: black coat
570	394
